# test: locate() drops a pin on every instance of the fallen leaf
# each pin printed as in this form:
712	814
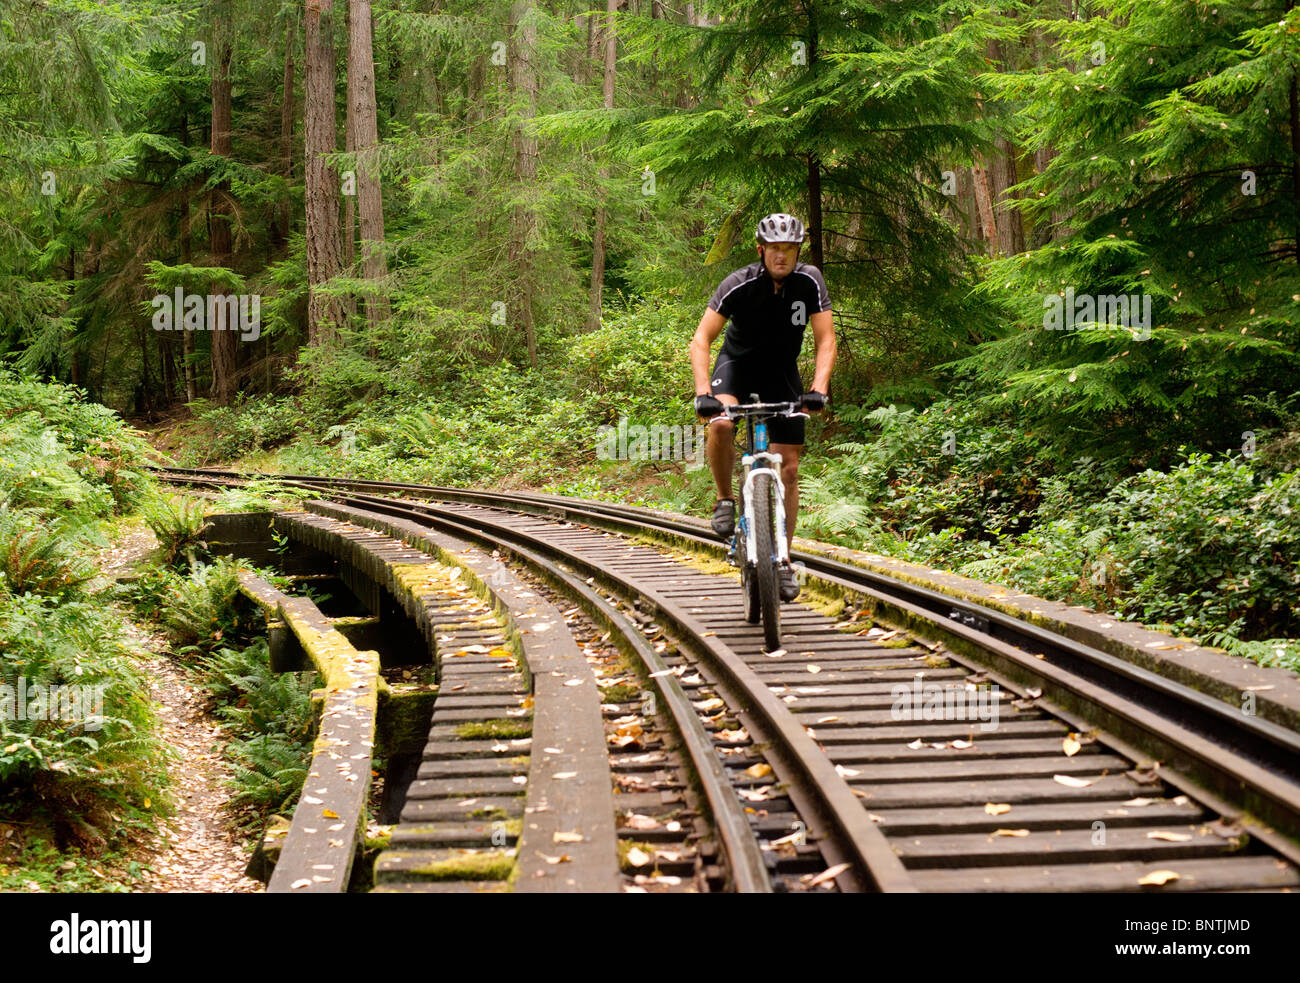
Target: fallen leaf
814	669
561	837
828	874
304	882
329	814
775	653
1160	834
846	772
1141	802
574	682
667	880
961	745
637	857
997	808
760	770
1070	746
1158	877
1071	782
1011	832
917	744
565	774
564	858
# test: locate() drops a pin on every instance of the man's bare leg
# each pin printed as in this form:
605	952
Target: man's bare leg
720	448
790	479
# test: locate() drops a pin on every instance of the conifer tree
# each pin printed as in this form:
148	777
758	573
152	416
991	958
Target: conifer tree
1177	135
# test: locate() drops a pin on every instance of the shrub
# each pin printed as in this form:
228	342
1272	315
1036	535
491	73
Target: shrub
100	770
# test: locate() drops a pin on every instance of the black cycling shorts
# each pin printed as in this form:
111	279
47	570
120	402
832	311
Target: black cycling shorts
733	378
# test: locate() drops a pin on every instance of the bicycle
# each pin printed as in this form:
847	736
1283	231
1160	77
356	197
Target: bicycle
758	545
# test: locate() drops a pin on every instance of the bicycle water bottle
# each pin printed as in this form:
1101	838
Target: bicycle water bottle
760	437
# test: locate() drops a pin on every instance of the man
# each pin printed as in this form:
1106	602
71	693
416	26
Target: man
769	303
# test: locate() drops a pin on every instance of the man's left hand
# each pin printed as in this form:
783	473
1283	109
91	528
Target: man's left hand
813	401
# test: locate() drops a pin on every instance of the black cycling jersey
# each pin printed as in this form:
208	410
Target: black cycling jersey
768	324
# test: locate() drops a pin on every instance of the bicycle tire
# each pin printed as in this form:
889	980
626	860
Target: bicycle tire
748	583
765	574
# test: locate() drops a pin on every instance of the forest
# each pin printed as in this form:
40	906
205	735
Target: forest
462	243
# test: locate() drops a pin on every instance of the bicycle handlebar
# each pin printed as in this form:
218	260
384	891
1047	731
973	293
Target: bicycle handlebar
792	408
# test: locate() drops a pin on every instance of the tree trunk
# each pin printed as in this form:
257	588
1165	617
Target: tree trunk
187	337
598	240
593	39
349	191
320	137
225	342
815	256
984	205
349	144
1002	176
363	115
523	79
1011	230
286	127
349	201
1295	155
1044	225
814	171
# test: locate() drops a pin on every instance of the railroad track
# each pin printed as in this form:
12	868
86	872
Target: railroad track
906	742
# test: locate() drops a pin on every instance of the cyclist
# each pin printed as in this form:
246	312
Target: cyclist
769	303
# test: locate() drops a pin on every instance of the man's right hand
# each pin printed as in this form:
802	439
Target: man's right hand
707	405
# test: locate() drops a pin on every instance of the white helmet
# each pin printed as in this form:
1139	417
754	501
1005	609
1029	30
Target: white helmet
779	227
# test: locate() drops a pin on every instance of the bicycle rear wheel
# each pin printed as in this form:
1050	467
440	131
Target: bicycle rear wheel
767	586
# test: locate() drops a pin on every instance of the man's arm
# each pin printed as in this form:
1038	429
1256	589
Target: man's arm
711	325
824	337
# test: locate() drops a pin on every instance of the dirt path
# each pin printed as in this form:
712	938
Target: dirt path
196	850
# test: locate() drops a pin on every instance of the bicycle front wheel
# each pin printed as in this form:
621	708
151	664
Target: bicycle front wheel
748	582
765	573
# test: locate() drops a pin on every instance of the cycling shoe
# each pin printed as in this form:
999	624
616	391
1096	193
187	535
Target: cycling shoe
724	518
789	586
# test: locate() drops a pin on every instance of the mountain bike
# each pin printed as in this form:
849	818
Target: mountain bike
758	545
